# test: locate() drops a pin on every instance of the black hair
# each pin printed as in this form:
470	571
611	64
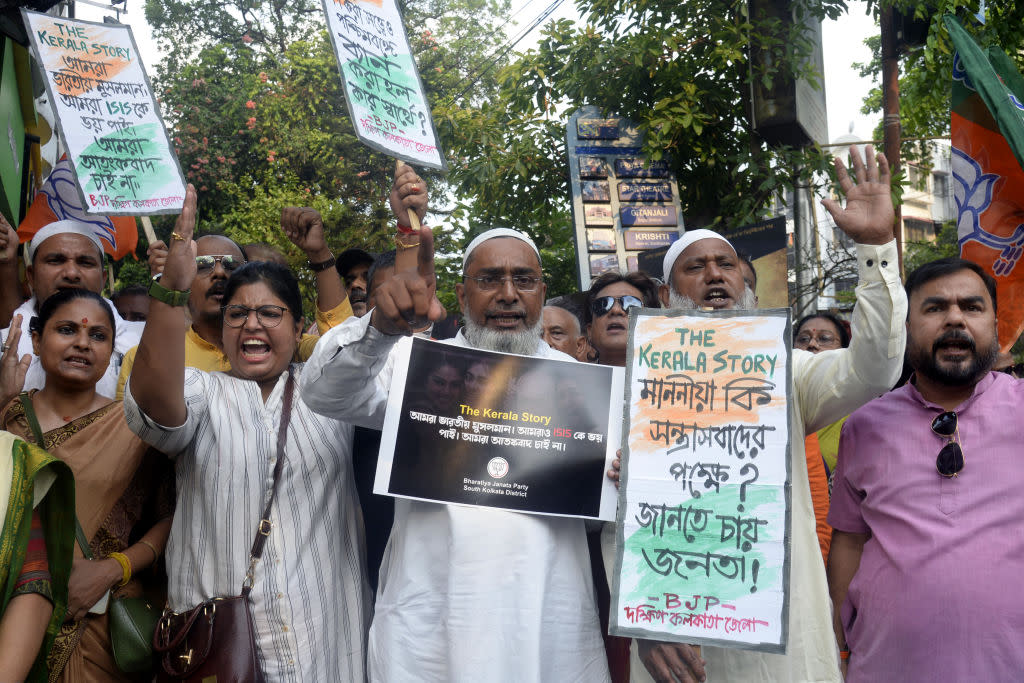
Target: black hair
950	265
746	258
385	259
648	289
130	290
844	335
64	296
278	278
569	307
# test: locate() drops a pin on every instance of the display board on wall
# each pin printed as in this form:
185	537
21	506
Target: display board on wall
623	203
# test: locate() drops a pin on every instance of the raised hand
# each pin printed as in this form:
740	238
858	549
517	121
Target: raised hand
180	264
408	300
156	256
305	228
868	217
12	369
8	242
409	191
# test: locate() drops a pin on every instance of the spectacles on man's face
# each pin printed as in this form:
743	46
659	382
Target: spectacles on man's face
950	460
522	283
823	339
604	304
236	315
226	261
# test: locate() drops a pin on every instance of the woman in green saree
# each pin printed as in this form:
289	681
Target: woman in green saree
37	503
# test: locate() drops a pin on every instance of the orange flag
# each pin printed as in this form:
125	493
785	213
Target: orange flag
59	200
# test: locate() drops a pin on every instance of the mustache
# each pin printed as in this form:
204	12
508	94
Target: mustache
217	288
958	336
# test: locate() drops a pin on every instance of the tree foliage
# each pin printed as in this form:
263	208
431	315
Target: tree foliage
926	71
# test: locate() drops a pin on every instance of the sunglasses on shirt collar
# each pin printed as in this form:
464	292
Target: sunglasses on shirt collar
950	461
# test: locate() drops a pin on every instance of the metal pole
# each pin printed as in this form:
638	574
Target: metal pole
891	109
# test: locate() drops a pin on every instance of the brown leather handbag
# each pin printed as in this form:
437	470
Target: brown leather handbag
215	640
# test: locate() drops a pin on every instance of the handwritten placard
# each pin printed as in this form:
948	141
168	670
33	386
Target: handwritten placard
475	427
383	90
116	140
703	519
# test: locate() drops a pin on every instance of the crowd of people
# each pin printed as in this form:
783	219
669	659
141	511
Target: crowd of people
154	436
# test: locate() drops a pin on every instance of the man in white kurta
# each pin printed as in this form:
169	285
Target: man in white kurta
702	270
468	594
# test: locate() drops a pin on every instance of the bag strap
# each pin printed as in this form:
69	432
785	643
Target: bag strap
265	524
37	432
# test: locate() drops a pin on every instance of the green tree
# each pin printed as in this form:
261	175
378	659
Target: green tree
926	71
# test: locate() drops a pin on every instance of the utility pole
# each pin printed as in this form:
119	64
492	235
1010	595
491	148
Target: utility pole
891	108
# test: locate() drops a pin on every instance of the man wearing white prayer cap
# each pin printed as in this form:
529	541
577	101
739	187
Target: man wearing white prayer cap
466	593
703	271
68	255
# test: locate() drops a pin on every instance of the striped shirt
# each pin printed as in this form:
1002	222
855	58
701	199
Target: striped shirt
310	602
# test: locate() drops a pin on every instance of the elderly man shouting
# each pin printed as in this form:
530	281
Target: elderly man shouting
466	594
702	271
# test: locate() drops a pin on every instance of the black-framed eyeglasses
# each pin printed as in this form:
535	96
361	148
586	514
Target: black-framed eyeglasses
950	461
226	261
269	315
522	283
603	304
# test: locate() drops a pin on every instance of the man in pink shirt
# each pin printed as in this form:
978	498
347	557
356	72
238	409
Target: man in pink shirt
926	507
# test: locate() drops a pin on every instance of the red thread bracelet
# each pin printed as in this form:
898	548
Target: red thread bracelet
404	229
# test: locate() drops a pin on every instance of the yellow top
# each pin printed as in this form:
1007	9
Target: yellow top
207	357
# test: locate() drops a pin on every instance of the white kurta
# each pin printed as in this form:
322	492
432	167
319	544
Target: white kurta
126	335
827	386
466	594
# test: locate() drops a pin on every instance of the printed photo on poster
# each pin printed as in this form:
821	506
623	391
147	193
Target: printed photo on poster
593	167
595	191
602	263
702	552
474	427
598	214
600	239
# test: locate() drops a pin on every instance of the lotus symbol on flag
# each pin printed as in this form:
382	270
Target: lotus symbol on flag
972	190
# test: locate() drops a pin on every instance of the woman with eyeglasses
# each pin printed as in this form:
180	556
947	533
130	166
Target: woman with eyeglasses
818	332
606	316
309	601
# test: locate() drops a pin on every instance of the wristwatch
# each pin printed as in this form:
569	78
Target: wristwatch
171	297
322	265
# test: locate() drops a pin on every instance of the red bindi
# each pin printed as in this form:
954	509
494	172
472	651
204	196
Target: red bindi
85	321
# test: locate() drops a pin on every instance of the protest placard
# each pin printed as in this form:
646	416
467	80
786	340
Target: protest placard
107	116
704	508
383	90
520	433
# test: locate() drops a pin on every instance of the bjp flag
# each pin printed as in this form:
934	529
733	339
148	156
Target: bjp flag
59	200
988	158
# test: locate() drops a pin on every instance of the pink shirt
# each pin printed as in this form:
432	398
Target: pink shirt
937	596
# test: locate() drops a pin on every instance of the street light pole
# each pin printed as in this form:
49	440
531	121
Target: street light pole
891	108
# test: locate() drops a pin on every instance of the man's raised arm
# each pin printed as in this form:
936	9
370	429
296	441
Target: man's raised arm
833	384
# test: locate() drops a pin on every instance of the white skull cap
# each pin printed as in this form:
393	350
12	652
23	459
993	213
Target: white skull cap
497	232
688	238
62	228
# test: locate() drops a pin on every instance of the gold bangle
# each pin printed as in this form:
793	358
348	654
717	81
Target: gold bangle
156	555
126	567
402	245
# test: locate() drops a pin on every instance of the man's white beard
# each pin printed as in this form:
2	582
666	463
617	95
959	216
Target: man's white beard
523	342
747	302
